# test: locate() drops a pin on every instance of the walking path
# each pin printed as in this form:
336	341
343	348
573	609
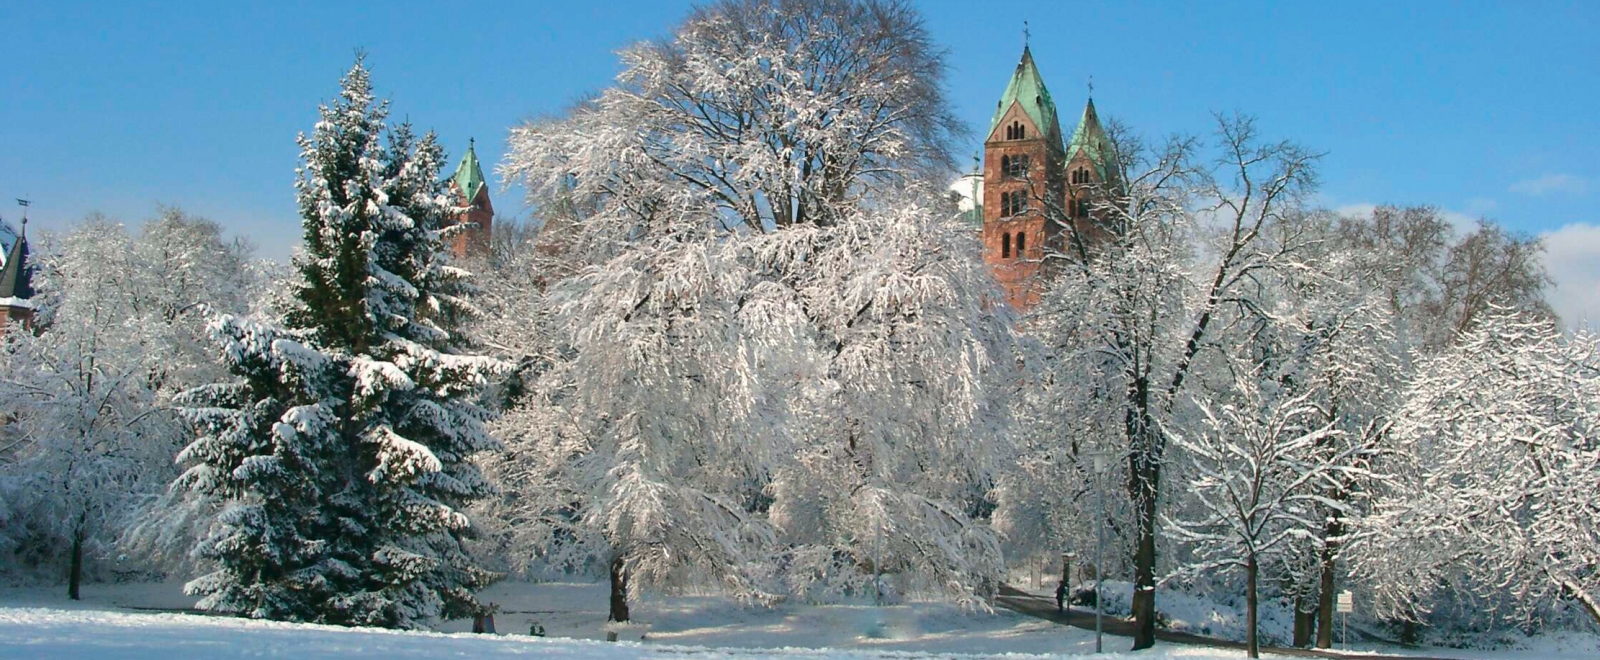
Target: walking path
1042	607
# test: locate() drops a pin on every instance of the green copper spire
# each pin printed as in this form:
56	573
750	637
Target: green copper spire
469	176
1027	88
1089	137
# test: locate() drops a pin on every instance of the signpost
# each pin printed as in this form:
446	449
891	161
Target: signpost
1345	605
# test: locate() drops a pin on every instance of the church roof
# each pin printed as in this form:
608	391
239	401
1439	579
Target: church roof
1091	138
16	281
1027	88
469	175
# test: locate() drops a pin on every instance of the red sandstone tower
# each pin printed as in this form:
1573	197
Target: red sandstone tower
1032	185
472	192
1022	183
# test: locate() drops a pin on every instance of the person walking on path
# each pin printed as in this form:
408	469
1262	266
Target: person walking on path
1061	597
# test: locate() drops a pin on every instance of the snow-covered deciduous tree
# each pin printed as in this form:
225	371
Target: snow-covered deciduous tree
1438	279
1496	461
774	362
89	435
1257	467
341	452
1142	295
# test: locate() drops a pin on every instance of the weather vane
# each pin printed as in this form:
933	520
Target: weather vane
1025	34
24	203
1091	85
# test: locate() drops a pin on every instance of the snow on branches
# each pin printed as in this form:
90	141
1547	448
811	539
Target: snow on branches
1494	507
341	454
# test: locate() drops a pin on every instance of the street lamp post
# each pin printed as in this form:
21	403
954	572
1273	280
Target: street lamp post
1099	552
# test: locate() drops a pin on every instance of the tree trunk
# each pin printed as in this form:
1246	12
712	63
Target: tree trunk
1252	645
75	570
1144	488
1326	593
1144	580
619	591
1305	622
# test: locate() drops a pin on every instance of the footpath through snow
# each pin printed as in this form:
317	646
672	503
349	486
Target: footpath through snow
48	633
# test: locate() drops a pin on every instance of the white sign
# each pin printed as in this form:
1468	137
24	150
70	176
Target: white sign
1346	604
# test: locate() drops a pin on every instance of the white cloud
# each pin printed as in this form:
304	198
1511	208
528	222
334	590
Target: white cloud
1572	255
1551	184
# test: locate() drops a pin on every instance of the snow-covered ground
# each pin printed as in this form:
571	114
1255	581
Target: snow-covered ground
111	622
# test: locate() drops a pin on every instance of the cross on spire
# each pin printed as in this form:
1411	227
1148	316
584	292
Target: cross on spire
1025	34
1091	86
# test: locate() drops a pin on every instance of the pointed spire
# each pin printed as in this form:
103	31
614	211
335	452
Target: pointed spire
469	175
1027	89
16	278
1090	137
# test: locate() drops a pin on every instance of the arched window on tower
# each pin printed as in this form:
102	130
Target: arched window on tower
1005	163
1013	203
1005	245
1022	243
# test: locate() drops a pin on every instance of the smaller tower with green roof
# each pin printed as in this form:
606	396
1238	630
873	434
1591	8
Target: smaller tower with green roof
473	192
1091	170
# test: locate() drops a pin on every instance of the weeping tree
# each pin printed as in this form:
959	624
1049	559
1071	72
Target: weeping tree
752	263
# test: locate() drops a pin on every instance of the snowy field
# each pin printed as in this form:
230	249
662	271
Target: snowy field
112	622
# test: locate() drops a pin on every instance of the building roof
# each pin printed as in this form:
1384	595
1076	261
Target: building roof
16	278
1027	89
469	175
1091	138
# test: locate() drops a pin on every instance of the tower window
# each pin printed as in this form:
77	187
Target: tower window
1005	245
1079	208
1016	131
1016	166
1013	203
1022	243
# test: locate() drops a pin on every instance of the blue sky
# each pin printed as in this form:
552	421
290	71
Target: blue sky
1478	108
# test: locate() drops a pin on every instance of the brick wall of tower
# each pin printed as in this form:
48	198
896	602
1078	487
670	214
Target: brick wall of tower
1019	273
10	315
1091	226
474	242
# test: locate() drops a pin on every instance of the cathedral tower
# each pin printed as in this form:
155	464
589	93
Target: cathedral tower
1023	166
1090	172
472	191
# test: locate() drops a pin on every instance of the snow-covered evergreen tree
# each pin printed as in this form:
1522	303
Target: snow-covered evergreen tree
341	452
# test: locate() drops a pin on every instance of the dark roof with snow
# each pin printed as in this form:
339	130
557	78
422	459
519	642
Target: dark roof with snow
16	279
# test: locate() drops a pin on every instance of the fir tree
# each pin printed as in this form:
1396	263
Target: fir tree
343	456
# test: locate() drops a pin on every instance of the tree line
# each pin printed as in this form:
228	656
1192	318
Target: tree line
751	347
